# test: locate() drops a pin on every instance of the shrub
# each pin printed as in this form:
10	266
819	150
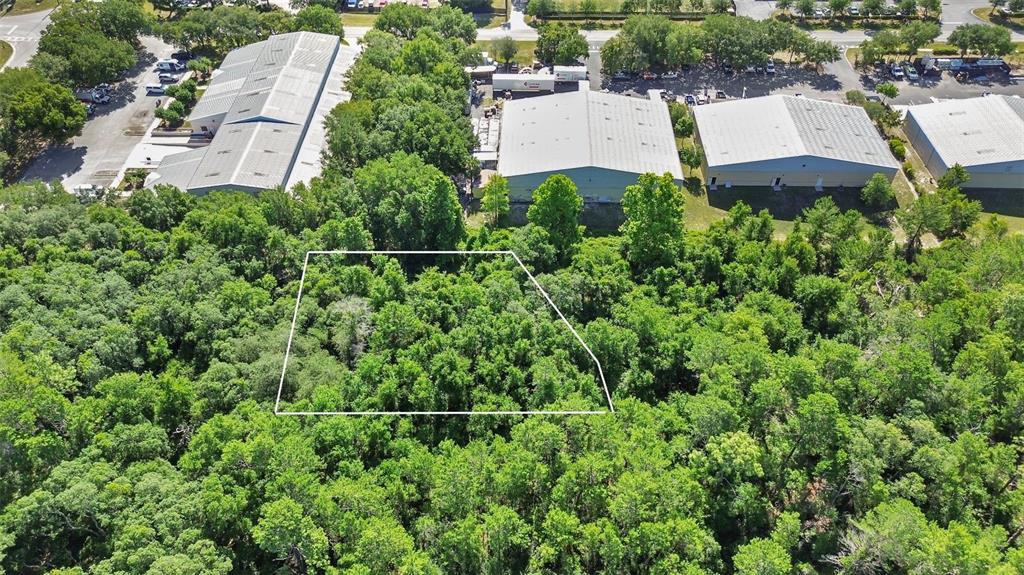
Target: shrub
898	149
856	97
908	169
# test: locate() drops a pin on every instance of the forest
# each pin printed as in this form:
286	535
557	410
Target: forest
834	401
812	405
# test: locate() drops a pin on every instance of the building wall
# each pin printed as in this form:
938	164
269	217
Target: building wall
802	171
594	184
1006	175
924	148
211	123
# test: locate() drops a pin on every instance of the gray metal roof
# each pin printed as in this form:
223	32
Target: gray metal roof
278	79
584	128
273	96
974	131
775	127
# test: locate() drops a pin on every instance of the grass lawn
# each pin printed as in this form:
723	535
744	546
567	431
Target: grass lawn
26	6
489	19
1015	23
5	52
524	56
358	19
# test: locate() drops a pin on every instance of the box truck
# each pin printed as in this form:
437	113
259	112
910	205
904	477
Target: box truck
571	73
523	82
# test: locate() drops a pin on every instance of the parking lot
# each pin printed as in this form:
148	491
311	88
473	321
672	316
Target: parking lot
830	83
110	134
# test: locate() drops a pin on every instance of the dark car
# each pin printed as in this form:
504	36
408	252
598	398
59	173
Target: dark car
690	100
182	56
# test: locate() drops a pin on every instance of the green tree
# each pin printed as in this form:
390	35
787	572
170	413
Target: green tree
495	201
319	19
918	34
34	111
878	191
289	534
556	208
653	229
505	49
560	44
955	177
888	89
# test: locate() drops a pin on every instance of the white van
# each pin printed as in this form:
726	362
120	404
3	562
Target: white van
154	89
169	65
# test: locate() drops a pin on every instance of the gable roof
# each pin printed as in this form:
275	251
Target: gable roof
776	127
276	80
974	131
587	129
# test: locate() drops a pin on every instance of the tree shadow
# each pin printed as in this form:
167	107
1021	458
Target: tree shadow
1000	201
791	201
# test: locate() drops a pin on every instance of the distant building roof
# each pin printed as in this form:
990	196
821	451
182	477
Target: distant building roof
585	128
272	97
974	131
775	127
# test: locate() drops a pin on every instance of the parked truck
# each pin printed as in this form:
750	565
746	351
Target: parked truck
571	73
93	96
169	65
524	83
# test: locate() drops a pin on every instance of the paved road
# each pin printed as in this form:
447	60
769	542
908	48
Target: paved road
22	32
110	135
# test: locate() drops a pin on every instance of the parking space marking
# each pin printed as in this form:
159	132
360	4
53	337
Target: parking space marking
10	28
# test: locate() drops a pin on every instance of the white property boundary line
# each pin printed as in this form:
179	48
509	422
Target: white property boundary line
295	317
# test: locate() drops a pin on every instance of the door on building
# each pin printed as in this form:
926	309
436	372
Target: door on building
775	183
817	185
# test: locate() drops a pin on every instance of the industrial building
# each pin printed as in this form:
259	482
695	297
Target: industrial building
262	116
777	141
603	142
984	135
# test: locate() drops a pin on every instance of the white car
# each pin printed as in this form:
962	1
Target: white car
896	71
769	68
670	75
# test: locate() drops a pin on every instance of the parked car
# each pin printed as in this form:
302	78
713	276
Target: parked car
183	56
896	71
701	99
769	68
690	100
89	109
648	75
168	78
720	95
154	89
668	96
727	68
620	76
670	75
819	13
911	73
854	11
750	69
169	65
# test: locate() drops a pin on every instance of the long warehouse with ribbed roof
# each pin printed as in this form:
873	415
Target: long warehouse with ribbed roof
778	141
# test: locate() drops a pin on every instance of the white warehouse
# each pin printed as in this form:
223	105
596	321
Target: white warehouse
777	141
264	109
984	135
602	142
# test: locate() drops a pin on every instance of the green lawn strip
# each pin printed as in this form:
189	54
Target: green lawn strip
1015	23
5	52
358	19
524	57
26	6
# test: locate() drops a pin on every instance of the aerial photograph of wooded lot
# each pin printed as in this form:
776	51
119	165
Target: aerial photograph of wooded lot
545	287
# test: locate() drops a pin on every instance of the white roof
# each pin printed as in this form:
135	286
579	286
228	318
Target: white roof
776	127
273	96
278	79
583	129
975	131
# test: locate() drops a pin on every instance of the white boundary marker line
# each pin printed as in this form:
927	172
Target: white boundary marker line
295	317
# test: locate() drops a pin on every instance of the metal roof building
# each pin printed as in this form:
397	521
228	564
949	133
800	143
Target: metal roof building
603	142
788	140
984	135
265	108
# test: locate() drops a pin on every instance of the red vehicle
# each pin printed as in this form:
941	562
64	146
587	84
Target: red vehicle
648	75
